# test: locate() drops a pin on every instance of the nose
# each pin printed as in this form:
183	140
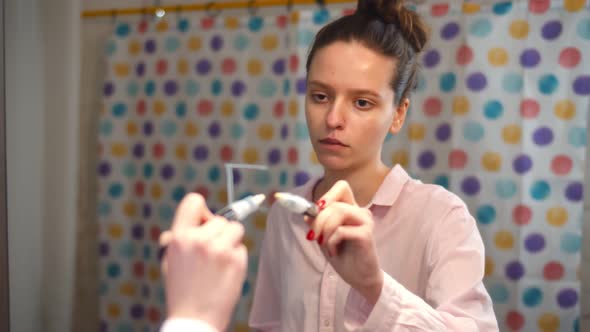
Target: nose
336	116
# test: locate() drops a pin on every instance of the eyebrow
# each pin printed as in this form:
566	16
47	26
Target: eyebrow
355	91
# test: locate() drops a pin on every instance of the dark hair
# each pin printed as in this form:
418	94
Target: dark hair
384	26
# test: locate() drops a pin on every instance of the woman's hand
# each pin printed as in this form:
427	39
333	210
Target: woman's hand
344	231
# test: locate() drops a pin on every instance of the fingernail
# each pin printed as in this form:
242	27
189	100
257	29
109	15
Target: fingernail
321	239
310	235
321	203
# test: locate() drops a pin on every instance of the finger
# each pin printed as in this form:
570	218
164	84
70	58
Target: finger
165	238
340	192
192	211
346	233
210	230
230	236
337	214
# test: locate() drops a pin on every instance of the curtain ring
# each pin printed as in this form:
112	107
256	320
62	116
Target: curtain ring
321	3
252	9
289	6
209	9
114	15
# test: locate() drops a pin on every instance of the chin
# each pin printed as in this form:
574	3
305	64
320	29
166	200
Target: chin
333	163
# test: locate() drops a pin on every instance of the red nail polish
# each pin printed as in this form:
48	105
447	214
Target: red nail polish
321	239
310	235
321	203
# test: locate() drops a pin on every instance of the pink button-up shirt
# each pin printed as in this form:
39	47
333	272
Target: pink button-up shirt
430	252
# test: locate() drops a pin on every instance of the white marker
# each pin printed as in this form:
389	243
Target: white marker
239	210
297	204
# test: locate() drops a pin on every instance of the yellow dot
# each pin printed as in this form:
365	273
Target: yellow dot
557	216
504	240
313	158
227	108
222	196
565	109
114	310
182	67
121	69
156	191
269	42
294	17
250	155
400	157
115	231
159	107
134	47
460	105
232	22
260	221
181	152
548	322
154	273
248	243
489	266
191	129
119	150
130	209
128	289
498	56
512	134
265	132
254	67
519	29
491	161
194	43
162	26
241	327
471	8
416	132
293	108
132	128
574	5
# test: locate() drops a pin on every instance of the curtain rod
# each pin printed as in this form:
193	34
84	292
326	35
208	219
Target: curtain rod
211	6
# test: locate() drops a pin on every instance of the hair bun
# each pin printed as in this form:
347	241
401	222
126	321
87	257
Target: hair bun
394	12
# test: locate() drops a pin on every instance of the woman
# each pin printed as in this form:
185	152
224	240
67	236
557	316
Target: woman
386	252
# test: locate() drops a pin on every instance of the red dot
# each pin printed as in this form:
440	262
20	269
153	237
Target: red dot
348	11
539	6
203	191
140	107
138	269
205	107
464	55
515	320
161	67
432	106
282	21
457	159
207	23
570	57
228	66
279	109
529	108
154	315
271	197
292	156
100	149
155	233
226	153
561	164
159	150
522	215
553	271
142	27
294	63
139	188
439	9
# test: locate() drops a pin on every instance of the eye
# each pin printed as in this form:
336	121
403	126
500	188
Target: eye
319	97
363	104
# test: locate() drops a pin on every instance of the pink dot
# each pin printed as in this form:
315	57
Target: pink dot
439	9
293	63
570	57
207	23
464	55
515	320
539	6
457	159
155	233
522	215
279	109
553	271
561	164
158	150
139	188
348	11
292	156
228	66
226	153
161	67
140	107
205	107
203	191
432	106
529	108
143	25
282	21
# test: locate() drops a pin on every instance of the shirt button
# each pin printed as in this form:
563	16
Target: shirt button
331	275
326	323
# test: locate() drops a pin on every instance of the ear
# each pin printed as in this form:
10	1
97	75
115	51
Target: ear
399	116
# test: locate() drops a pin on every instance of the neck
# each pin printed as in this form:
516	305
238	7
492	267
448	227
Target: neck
363	181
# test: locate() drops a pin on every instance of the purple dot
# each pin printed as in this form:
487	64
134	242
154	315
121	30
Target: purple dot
201	153
574	191
426	159
301	178
431	59
450	30
477	81
170	88
140	69
514	270
238	88
567	298
582	85
543	136
104	168
274	156
216	43
530	58
137	311
470	185
138	150
534	242
108	89
104	249
214	129
284	131
148	128
147	210
167	172
237	176
103	326
443	132
522	164
551	30
278	67
150	46
203	67
137	232
301	86
161	252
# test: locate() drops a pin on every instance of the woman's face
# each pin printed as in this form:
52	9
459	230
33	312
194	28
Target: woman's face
349	105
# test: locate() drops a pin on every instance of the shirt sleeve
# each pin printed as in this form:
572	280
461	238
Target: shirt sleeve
265	313
455	299
186	325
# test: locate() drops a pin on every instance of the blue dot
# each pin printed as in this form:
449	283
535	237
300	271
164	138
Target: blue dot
123	30
267	88
110	48
104	209
125	327
283	178
246	288
583	29
421	86
172	44
103	288
443	181
241	42
305	37
540	190
301	131
183	25
178	193
192	88
321	16
168	128
237	131
116	190
486	214
148	170
106	128
256	23
481	28
129	170
251	112
262	178
113	270
127	250
577	137
502	8
448	82
548	84
214	174
505	188
119	110
150	88
473	131
577	325
512	83
190	173
493	109
147	252
132	89
571	243
532	297
499	294
166	212
181	109
216	87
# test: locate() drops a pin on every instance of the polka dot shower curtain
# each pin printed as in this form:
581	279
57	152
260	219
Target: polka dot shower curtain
499	118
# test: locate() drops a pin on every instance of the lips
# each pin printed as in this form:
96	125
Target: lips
332	141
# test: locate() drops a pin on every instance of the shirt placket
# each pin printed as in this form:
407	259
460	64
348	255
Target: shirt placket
327	299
